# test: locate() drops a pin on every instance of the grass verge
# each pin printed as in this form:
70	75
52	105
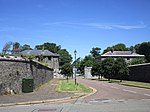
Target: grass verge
129	83
136	84
69	86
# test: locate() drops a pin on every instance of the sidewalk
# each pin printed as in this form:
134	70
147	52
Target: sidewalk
45	92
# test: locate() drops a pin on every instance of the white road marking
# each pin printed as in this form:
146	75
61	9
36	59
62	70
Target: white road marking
129	91
114	87
147	94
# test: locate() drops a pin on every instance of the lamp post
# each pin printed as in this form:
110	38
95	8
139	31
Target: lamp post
75	52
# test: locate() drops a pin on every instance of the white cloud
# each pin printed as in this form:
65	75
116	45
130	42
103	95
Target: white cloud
128	27
105	26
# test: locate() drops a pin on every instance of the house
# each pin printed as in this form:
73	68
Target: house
127	55
46	56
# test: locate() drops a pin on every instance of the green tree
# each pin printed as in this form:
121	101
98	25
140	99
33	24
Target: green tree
97	69
120	68
137	61
16	45
117	47
26	47
107	49
64	57
87	61
49	46
120	47
95	52
77	63
107	67
144	48
67	70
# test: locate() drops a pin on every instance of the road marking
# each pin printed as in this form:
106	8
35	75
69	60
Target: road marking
147	94
114	87
129	91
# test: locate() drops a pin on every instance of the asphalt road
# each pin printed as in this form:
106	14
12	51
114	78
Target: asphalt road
108	98
111	91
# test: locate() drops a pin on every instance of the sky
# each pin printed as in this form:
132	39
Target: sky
75	24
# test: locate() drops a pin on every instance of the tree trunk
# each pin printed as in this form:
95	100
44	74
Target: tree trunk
98	77
67	79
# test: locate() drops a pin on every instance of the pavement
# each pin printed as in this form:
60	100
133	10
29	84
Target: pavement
45	93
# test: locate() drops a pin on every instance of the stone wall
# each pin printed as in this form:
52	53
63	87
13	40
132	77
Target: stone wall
87	72
13	71
140	72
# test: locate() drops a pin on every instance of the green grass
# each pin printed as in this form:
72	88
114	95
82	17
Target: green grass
129	83
69	86
136	84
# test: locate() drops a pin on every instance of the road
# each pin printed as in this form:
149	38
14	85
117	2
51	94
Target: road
108	98
113	91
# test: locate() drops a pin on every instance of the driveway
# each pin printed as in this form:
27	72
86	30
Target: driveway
111	91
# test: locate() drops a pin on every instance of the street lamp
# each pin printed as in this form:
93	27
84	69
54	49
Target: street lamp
75	52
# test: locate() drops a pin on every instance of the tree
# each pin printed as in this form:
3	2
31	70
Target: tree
120	68
107	67
95	52
87	61
97	69
67	70
49	46
26	47
144	49
77	63
7	48
16	45
137	61
107	49
64	57
120	47
117	47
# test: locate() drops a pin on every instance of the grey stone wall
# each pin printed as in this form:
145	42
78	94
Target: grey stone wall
13	71
140	72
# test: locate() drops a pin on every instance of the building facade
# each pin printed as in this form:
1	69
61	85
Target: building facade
45	56
127	55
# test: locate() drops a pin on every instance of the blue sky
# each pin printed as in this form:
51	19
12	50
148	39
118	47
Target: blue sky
75	24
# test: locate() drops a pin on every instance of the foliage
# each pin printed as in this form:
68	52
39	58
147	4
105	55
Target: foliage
49	46
87	61
137	61
67	70
117	47
107	49
77	63
144	48
120	47
30	57
65	57
7	48
107	67
120	68
26	47
16	45
97	69
95	52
